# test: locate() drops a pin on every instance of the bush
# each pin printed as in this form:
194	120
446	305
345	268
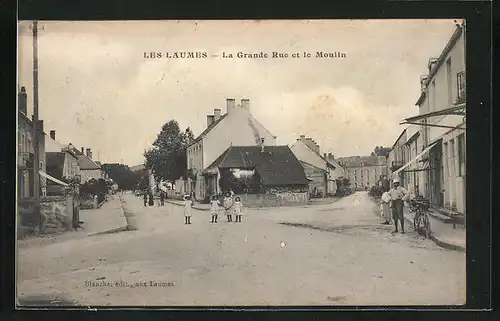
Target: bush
343	191
376	191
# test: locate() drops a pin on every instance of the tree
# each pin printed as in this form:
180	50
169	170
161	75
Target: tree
167	158
381	151
122	175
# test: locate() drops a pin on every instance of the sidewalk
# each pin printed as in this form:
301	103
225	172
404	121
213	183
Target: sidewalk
106	219
443	234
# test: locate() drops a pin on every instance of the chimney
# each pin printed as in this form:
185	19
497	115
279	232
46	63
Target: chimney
210	120
89	153
324	155
432	63
262	145
423	80
22	98
230	104
303	138
216	114
53	134
245	104
82	151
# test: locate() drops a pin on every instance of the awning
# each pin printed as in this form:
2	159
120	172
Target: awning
55	180
458	110
423	166
413	160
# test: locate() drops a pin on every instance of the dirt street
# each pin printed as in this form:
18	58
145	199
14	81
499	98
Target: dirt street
331	254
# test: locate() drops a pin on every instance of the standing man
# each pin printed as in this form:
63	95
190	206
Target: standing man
398	195
162	198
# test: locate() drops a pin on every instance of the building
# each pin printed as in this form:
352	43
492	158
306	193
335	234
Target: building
26	151
364	171
261	175
321	170
397	156
442	126
235	128
62	161
88	167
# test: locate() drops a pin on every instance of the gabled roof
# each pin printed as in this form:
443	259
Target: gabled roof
328	162
86	163
277	166
209	128
55	163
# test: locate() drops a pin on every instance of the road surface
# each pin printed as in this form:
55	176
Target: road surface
331	254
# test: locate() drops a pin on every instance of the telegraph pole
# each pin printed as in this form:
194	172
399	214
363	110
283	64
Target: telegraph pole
36	161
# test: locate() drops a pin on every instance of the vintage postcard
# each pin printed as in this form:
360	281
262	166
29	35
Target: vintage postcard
241	163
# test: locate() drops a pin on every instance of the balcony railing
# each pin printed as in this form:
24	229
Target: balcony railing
461	85
25	160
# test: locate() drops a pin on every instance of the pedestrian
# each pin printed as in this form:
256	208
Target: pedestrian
398	195
151	200
187	209
228	204
145	199
214	209
237	209
162	198
385	208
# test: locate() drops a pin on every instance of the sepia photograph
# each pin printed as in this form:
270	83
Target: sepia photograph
252	163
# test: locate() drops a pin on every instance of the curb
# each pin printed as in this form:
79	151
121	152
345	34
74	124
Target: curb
440	242
114	230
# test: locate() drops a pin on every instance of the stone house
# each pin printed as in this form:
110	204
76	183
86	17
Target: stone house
442	126
321	170
62	163
237	127
26	152
364	171
261	175
89	169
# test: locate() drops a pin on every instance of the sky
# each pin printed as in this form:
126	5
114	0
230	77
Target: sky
97	90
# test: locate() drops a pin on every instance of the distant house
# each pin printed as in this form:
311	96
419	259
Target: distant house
364	171
62	161
235	128
321	170
261	175
88	168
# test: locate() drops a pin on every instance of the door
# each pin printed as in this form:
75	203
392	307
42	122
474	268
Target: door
437	172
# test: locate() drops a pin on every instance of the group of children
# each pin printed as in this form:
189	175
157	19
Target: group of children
230	204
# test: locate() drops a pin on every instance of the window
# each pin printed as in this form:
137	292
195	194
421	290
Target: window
461	154
449	81
433	106
446	159
452	157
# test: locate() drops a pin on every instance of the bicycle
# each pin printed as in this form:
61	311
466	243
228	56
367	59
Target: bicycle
421	222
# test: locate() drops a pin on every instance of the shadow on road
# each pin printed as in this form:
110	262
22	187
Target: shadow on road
336	229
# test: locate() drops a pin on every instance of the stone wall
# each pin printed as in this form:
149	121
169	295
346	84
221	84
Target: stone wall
54	216
279	196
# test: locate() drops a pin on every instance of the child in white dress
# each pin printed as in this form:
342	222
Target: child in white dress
385	208
238	209
187	209
214	209
228	206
